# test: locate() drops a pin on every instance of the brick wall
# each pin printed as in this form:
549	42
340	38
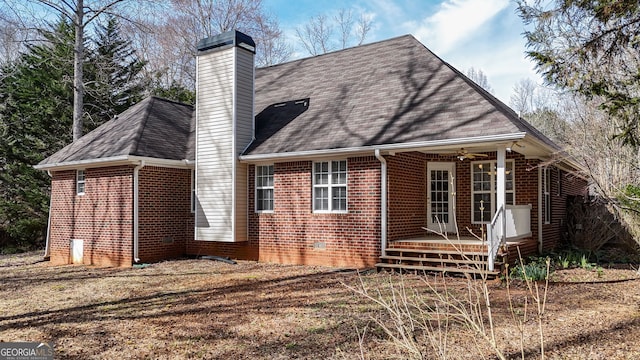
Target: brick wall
102	217
293	234
526	187
408	192
165	218
407	196
552	233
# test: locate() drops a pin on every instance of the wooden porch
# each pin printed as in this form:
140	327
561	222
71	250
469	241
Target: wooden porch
466	255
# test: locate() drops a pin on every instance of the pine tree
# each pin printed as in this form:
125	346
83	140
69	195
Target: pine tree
35	120
113	80
36	114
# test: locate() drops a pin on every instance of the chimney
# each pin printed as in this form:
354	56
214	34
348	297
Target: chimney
224	128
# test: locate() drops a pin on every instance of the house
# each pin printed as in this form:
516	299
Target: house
340	159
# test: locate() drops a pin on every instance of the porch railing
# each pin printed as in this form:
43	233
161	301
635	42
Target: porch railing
511	223
495	236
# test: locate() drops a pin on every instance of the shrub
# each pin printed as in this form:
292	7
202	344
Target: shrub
535	269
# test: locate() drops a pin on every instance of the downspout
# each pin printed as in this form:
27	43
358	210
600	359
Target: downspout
136	211
383	202
47	245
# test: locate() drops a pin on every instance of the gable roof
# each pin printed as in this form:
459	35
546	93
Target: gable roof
153	128
390	92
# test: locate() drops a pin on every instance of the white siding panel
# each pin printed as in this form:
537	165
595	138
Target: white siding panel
244	99
221	181
214	155
242	204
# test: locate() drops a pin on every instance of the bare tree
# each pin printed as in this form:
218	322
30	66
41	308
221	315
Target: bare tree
522	99
479	77
12	36
168	44
317	36
543	107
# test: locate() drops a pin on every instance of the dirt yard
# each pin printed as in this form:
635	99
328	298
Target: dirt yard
201	309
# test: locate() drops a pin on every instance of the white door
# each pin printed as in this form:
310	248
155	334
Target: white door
440	188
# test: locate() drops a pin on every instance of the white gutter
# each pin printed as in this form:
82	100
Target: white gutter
136	210
432	145
571	165
383	202
115	161
47	244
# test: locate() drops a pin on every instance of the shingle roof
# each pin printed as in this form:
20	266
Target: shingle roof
389	92
155	127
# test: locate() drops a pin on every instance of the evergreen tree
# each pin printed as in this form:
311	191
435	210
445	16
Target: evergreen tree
36	115
590	47
113	80
175	92
36	110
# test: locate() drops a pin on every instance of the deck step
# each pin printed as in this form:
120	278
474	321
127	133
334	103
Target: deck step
445	260
437	252
457	270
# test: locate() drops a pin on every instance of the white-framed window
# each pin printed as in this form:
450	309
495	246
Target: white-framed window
264	188
330	186
546	193
193	191
80	182
484	186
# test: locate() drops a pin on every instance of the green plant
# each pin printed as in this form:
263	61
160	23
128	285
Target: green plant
600	271
536	269
564	262
584	262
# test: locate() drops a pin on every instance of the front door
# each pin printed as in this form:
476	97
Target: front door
441	185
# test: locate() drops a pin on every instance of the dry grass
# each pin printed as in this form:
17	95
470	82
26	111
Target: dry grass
192	309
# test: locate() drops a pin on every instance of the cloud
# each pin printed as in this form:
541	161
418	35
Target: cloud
455	21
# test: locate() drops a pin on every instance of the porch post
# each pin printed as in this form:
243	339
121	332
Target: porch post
501	189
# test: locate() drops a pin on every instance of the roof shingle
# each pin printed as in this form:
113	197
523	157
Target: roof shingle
155	127
389	92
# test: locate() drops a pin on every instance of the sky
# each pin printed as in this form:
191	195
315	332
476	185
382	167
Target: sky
483	34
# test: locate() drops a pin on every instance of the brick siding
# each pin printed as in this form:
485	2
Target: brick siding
294	234
408	192
407	195
165	218
570	185
102	217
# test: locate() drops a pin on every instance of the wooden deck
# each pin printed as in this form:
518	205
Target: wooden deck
454	255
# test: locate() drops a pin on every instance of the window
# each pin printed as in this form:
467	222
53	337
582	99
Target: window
193	191
483	189
546	188
330	186
80	182
264	188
